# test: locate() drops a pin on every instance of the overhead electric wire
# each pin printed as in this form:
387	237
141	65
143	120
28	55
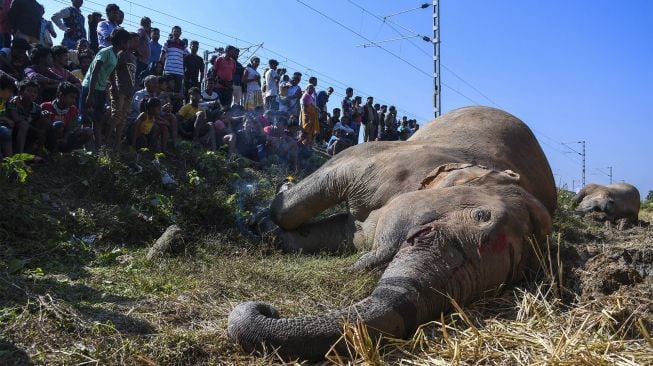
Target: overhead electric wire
383	20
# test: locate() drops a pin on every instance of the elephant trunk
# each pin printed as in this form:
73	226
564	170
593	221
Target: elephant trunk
395	308
425	274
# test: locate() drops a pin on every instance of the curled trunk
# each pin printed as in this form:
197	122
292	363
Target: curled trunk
394	308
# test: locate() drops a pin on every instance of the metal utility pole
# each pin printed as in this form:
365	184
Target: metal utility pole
583	142
437	107
582	154
610	169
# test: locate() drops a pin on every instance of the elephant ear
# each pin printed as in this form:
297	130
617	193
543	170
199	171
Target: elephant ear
453	174
435	179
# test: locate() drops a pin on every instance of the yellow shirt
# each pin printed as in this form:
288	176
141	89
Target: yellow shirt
146	126
78	74
187	111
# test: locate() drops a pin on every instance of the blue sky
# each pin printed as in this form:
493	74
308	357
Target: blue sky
572	70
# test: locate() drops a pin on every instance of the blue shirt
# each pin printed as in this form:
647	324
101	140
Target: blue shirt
155	51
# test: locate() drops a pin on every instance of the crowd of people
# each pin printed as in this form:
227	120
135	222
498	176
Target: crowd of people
111	88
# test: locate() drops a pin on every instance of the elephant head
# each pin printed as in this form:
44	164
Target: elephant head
464	234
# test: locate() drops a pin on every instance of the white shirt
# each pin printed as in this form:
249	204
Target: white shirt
252	85
271	86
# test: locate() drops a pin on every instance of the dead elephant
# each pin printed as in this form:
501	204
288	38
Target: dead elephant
614	201
450	212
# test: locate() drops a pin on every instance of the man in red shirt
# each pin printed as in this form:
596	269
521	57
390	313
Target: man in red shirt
224	70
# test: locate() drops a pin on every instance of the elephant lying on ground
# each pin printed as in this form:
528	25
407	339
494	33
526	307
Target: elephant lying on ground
615	201
450	212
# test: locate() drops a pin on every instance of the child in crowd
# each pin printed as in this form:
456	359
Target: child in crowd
28	123
209	94
341	138
7	88
73	55
146	130
192	118
121	89
64	131
84	63
59	64
39	71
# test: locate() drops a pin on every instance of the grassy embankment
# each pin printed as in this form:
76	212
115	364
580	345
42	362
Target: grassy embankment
77	289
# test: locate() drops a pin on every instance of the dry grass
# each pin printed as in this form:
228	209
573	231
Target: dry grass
529	325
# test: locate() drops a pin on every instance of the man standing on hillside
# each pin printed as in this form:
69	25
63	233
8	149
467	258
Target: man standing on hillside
271	85
370	120
323	98
155	46
224	67
143	50
71	21
193	67
172	57
25	20
105	27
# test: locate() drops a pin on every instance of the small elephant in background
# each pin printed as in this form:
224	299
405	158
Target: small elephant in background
614	201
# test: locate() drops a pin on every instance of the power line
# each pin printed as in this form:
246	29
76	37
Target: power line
383	20
365	38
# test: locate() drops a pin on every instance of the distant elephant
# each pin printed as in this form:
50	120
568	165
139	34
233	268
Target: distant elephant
616	201
450	212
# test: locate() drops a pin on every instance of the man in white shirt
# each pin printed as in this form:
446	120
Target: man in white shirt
272	85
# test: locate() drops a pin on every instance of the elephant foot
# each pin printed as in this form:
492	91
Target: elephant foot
370	261
261	224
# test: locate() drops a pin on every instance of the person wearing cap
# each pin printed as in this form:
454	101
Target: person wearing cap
71	21
271	85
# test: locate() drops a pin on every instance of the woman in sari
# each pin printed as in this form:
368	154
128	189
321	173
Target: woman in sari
310	123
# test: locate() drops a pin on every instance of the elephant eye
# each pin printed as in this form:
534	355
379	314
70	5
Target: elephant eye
482	215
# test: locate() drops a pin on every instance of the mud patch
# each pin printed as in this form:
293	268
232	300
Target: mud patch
605	273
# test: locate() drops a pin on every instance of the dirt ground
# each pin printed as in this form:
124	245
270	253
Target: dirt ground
619	258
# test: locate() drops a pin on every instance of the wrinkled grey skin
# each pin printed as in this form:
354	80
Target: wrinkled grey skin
616	201
450	212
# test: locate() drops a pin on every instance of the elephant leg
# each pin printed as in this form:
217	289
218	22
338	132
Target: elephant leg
333	234
323	189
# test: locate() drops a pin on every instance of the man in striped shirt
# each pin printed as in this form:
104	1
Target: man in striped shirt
172	57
